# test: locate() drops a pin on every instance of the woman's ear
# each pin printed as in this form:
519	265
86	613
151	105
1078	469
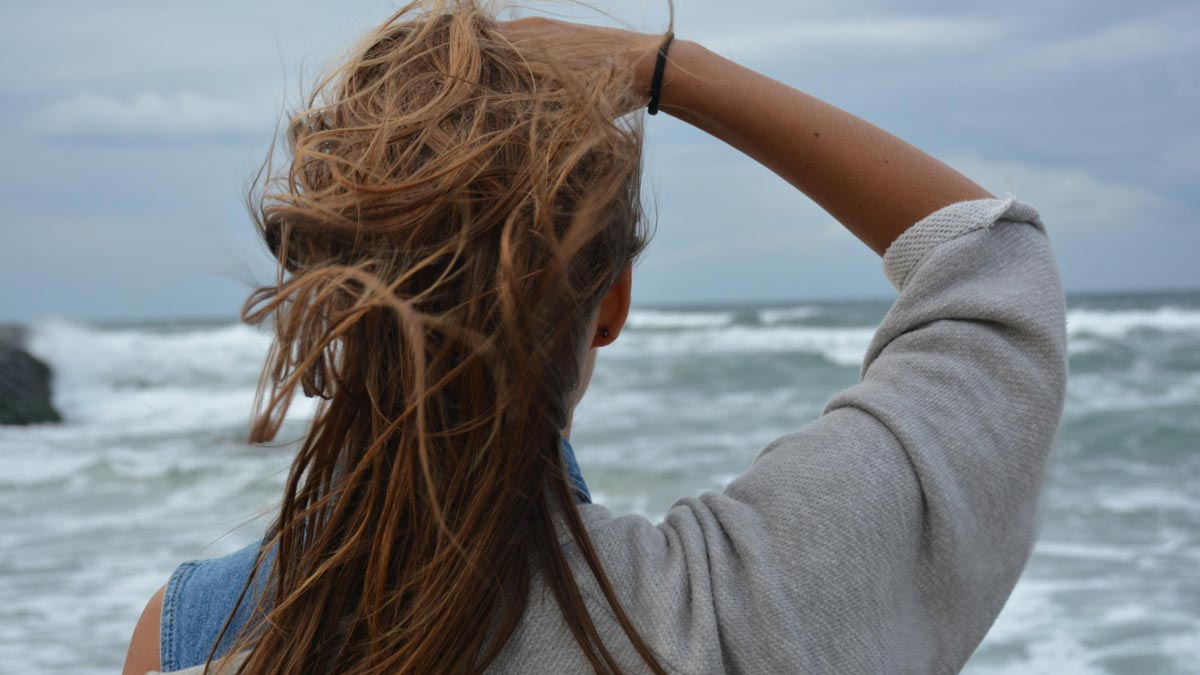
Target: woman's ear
614	310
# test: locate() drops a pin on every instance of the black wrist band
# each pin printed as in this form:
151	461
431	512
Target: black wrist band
660	65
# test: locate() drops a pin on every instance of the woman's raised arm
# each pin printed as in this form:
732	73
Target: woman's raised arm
871	181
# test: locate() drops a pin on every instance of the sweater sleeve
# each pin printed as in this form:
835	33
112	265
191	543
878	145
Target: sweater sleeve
886	535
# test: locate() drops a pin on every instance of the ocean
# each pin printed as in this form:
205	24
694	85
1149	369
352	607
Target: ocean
149	468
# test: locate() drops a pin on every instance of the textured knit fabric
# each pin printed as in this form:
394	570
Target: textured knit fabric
883	536
201	594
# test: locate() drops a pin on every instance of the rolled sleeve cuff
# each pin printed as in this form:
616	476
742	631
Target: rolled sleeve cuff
949	222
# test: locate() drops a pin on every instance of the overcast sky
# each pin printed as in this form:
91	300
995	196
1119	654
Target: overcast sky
133	128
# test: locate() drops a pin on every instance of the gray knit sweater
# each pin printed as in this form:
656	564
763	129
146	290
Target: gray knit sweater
883	536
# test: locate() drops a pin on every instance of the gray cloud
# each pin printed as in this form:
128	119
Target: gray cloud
1160	37
1069	197
882	38
149	115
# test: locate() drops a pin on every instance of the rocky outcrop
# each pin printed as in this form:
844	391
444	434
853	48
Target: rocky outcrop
24	383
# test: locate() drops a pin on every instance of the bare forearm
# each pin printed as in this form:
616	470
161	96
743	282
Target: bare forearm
871	181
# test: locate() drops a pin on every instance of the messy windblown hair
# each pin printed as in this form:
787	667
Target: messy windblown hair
455	207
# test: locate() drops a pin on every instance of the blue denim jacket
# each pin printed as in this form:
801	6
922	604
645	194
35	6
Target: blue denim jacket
200	595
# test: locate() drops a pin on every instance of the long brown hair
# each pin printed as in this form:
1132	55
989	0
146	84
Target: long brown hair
455	207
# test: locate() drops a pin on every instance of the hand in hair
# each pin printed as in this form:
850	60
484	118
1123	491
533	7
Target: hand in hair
874	183
578	44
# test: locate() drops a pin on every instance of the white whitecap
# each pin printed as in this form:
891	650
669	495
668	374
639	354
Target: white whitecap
1119	323
113	382
1142	389
1082	345
776	315
666	318
843	346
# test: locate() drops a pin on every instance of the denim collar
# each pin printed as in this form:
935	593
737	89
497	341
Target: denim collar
581	488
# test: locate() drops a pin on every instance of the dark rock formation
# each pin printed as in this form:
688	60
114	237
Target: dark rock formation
24	383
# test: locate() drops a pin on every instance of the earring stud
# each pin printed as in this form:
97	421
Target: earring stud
603	332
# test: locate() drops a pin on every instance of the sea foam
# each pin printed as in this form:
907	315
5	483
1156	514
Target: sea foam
660	318
1119	323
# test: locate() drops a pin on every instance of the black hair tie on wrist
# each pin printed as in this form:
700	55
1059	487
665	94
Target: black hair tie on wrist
660	65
